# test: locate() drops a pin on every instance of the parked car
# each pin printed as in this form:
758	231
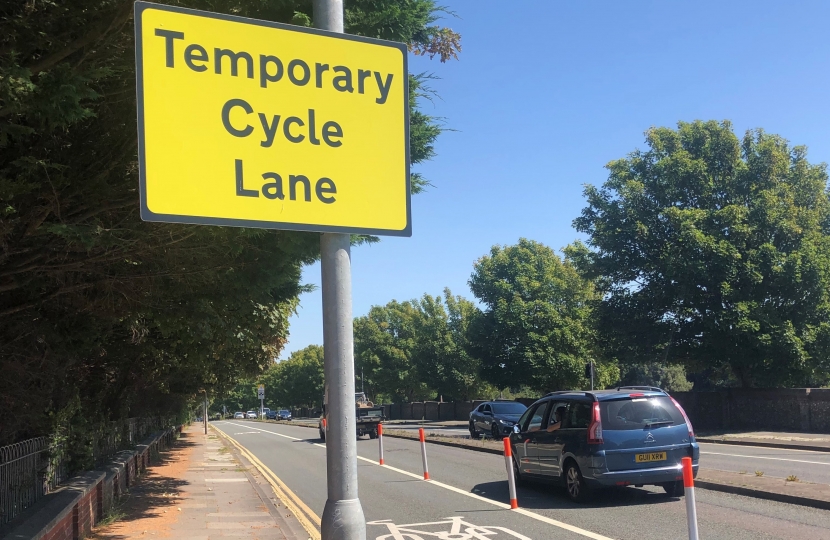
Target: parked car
251	415
284	414
495	418
589	440
270	415
239	415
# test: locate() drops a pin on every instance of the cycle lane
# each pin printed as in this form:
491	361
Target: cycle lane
630	513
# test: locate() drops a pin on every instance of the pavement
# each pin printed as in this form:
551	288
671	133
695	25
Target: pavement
470	487
203	489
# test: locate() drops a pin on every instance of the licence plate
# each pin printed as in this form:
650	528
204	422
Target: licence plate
653	456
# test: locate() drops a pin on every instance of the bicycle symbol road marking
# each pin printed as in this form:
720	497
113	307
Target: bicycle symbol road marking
453	528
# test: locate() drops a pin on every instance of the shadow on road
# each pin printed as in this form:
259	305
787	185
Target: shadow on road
538	496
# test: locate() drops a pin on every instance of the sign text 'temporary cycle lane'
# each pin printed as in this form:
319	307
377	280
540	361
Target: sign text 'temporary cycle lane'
258	124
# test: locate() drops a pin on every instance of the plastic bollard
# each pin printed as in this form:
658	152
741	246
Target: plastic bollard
511	478
423	452
689	485
380	443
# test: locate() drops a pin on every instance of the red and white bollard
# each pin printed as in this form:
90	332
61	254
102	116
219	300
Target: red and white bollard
423	452
380	443
511	478
689	485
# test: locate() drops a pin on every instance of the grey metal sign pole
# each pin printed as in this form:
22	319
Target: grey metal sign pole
343	515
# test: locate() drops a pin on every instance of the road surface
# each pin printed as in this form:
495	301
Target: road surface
471	486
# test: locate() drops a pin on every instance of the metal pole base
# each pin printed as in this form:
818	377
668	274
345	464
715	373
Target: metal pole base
343	520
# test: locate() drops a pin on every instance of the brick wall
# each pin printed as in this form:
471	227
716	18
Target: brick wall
72	512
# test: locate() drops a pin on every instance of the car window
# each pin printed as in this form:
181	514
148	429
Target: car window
524	418
486	408
481	407
560	406
537	417
629	414
508	408
578	416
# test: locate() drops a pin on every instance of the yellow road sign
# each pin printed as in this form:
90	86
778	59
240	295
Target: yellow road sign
258	124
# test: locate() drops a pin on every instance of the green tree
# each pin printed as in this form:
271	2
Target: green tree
384	342
297	381
714	252
536	328
671	378
441	350
103	315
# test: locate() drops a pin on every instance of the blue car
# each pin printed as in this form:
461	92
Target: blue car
591	440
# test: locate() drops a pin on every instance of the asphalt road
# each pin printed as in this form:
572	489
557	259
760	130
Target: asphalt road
775	462
472	487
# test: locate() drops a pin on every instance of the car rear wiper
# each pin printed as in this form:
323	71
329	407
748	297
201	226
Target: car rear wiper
660	423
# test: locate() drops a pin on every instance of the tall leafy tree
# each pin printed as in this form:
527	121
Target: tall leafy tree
297	381
441	352
384	342
536	327
714	251
102	315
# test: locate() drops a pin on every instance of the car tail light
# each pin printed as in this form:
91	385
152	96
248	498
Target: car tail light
595	428
686	418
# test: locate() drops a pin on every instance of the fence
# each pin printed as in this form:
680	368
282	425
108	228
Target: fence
30	469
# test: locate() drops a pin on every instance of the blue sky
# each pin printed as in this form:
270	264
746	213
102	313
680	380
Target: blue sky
545	93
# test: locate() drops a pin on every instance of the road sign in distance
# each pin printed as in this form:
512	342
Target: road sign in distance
258	124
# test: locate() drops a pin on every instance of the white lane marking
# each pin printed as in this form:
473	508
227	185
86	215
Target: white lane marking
768	448
266	431
528	513
769	458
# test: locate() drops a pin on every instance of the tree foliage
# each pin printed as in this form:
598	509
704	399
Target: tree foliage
104	314
297	381
384	342
535	329
441	353
714	252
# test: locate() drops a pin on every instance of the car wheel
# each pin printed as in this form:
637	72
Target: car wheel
521	480
494	432
674	489
473	431
373	434
322	435
575	485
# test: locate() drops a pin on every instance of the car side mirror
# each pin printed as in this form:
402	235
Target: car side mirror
487	413
516	428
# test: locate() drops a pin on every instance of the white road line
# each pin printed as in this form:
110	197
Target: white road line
769	458
528	513
770	448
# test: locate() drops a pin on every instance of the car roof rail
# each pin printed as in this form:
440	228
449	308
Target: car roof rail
649	388
560	392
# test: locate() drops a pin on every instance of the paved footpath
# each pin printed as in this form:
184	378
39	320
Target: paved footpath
202	490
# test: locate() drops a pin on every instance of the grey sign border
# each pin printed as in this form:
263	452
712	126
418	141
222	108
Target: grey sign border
148	215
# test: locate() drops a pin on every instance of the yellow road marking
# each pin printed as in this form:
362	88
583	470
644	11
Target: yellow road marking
306	516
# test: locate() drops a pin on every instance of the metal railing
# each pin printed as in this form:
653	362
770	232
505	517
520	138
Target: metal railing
30	469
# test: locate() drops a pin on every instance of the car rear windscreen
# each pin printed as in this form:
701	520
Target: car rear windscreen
639	413
508	408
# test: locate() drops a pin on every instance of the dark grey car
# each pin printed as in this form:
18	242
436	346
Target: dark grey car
495	418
